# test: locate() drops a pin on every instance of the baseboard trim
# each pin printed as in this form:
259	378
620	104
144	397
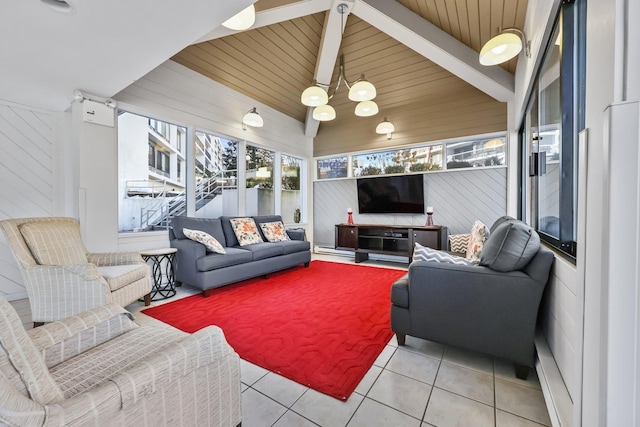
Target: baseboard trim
556	395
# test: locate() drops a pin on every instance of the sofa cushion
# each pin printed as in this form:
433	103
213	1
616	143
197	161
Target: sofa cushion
293	246
210	242
264	250
246	231
500	221
274	231
479	233
510	247
234	256
119	276
400	292
25	358
54	243
423	253
211	226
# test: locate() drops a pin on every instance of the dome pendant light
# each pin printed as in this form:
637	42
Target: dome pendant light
324	113
253	119
362	90
504	46
366	109
314	96
241	20
385	126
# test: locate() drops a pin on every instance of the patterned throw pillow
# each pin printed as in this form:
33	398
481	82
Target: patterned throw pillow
479	233
246	231
422	253
206	239
274	231
459	243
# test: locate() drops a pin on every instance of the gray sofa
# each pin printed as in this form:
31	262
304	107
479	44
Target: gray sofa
490	308
197	267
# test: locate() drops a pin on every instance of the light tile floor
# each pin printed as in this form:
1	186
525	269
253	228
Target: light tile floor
421	384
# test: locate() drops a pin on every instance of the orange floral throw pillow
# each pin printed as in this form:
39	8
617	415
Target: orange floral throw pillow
206	239
479	234
274	231
246	231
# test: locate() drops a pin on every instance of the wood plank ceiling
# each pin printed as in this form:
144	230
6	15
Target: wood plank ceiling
275	63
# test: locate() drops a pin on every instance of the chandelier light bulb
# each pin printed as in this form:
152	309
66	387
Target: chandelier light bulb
362	91
366	109
314	96
324	113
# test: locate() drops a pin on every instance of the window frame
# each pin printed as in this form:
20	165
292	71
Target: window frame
571	17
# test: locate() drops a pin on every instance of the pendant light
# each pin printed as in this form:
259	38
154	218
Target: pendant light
504	46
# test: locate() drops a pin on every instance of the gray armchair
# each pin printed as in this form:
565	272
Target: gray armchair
490	308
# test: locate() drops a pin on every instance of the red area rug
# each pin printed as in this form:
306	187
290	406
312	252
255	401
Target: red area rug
321	326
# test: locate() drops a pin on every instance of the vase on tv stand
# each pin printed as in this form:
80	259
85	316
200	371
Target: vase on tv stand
429	216
349	216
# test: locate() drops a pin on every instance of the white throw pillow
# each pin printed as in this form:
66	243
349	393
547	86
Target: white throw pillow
422	253
206	239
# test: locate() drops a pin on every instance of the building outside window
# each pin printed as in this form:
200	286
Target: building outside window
260	198
291	189
335	167
150	172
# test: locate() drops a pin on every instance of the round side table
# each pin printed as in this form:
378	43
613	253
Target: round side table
164	283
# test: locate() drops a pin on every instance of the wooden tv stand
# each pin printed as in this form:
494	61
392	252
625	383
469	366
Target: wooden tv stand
365	239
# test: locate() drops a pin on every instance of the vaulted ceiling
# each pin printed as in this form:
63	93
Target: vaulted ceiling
418	54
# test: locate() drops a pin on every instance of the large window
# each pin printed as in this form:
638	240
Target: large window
554	118
260	198
150	171
483	151
291	201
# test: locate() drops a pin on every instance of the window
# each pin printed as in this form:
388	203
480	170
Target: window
477	153
260	198
291	194
554	118
150	171
216	175
335	167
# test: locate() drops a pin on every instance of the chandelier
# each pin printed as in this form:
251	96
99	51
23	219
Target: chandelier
360	91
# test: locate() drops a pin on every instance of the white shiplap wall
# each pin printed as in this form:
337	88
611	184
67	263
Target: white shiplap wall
28	176
459	197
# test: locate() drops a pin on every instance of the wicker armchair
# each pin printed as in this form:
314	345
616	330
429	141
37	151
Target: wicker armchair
99	368
62	278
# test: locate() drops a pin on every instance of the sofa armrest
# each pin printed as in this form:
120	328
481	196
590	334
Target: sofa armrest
114	258
194	351
60	340
296	233
78	288
475	307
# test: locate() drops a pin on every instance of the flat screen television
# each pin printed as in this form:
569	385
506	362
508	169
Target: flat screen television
391	194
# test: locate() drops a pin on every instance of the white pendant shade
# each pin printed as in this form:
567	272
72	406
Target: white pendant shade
324	113
252	118
501	48
366	109
314	96
385	126
362	91
241	20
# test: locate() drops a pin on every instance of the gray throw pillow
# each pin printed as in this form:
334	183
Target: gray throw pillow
501	221
510	247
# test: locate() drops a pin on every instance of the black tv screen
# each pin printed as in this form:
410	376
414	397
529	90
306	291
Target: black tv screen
391	194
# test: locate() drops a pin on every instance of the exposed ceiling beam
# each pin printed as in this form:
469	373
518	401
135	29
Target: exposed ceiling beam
431	42
334	24
274	16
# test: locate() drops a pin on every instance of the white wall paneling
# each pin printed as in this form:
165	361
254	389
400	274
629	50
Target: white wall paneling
459	197
28	174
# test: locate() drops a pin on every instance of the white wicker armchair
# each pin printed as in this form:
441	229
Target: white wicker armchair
99	368
62	278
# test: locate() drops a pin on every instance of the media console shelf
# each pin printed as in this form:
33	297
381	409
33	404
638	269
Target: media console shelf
364	239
